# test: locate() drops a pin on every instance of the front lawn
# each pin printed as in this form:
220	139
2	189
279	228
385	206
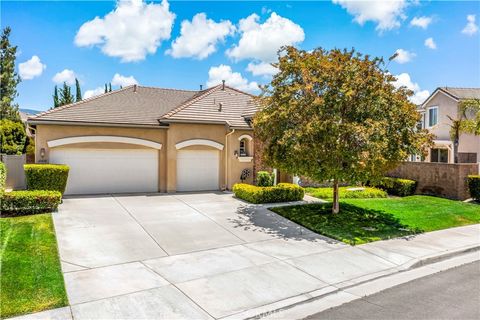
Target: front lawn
31	276
347	192
366	220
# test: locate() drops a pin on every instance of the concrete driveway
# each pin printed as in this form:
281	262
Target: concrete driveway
193	256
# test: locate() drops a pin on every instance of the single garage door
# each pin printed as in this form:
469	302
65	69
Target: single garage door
197	170
108	170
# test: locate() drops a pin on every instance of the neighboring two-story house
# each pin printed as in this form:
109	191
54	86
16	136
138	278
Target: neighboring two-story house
436	110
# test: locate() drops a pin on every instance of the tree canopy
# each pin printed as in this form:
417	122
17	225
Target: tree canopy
9	79
336	116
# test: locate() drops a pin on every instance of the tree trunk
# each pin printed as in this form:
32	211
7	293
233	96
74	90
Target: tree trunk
336	204
455	150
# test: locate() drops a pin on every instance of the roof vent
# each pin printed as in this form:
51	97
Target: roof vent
201	87
223	84
135	88
220	107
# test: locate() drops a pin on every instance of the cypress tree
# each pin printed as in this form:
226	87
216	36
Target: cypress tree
9	79
66	96
56	102
78	96
109	87
106	89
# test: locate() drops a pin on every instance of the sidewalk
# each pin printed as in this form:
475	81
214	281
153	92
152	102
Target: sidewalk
250	279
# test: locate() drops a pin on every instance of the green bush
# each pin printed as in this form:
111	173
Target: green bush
474	186
283	192
398	187
3	176
46	176
345	193
265	179
29	202
12	137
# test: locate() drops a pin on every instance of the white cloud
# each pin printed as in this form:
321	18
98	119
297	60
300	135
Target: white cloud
421	22
404	80
119	80
430	43
66	75
261	69
130	32
471	28
199	37
387	14
93	92
404	56
31	68
232	79
262	41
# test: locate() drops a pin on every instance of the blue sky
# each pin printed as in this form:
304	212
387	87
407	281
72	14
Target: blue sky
134	41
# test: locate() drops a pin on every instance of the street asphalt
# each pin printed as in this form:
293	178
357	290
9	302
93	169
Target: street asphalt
452	294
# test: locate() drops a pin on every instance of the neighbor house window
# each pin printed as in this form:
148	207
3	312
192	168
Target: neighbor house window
432	116
439	155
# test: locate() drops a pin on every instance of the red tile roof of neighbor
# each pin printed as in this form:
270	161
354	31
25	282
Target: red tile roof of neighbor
148	106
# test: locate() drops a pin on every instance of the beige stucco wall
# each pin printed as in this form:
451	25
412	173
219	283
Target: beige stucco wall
449	107
230	166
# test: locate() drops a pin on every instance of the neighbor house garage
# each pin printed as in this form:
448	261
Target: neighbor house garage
144	139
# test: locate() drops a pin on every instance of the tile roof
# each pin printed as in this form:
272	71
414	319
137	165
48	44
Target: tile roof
139	105
462	93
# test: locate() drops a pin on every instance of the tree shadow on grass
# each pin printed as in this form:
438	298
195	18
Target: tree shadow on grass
353	225
257	218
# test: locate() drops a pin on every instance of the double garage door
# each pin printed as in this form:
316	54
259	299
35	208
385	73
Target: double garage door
96	171
108	170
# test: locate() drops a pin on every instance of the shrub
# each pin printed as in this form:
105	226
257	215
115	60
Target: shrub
3	176
46	176
474	186
29	202
345	193
265	179
398	187
282	192
13	136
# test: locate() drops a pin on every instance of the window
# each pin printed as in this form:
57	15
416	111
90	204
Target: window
439	155
243	148
432	116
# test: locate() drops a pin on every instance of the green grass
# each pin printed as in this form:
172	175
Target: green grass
424	212
344	193
31	277
365	220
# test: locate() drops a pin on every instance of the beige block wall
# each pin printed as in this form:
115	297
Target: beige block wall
230	166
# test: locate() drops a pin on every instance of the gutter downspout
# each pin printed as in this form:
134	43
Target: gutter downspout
226	155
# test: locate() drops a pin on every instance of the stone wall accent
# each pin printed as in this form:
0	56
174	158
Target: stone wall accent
442	179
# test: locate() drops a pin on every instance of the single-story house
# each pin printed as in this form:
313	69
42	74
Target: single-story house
145	139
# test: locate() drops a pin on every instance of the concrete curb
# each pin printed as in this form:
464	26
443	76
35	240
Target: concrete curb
333	296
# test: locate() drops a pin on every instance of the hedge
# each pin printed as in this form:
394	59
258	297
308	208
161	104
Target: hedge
474	186
46	176
3	176
398	187
347	193
283	192
29	202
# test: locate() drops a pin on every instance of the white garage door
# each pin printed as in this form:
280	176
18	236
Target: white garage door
197	170
108	170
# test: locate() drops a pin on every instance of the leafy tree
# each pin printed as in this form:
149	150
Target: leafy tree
66	96
12	137
467	121
56	101
78	95
9	79
335	115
